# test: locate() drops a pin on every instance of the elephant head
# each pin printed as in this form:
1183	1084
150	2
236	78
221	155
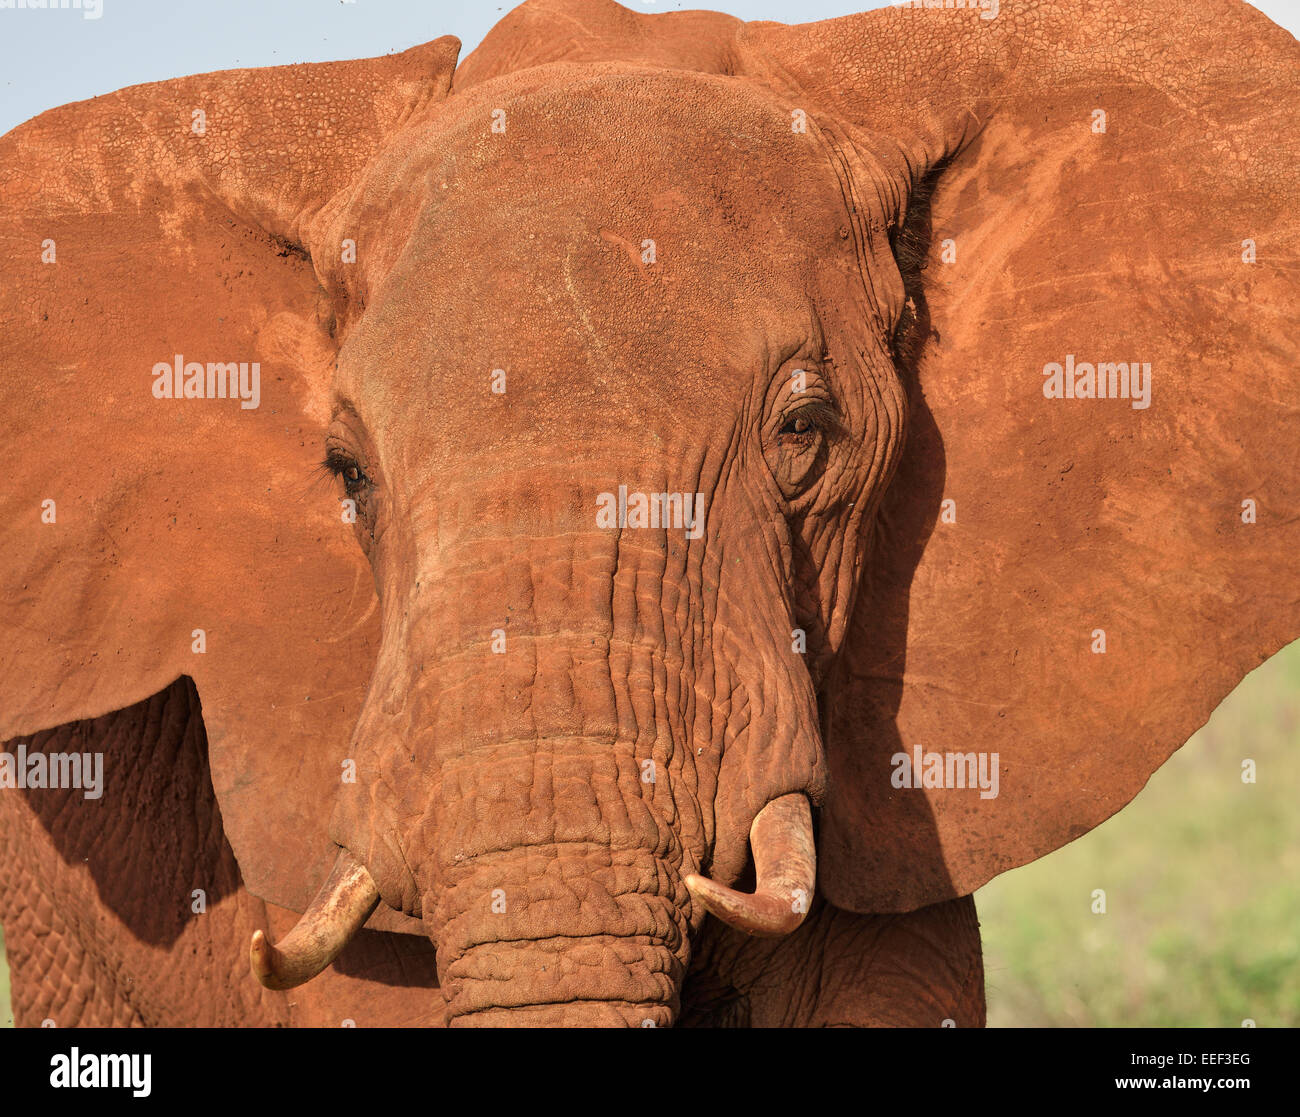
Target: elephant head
708	409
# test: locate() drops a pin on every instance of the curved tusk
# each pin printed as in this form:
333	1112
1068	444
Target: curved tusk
785	863
342	905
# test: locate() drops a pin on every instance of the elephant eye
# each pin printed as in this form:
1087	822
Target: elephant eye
799	441
802	426
341	465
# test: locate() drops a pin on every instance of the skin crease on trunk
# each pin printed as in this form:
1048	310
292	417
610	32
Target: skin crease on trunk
803	280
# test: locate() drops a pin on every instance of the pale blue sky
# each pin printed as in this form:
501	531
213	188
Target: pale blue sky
49	58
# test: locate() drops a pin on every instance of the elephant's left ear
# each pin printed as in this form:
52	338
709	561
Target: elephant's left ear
1094	533
165	363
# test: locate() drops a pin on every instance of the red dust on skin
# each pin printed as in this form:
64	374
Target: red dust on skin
491	807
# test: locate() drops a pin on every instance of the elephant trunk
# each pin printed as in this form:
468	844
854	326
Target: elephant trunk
535	798
564	934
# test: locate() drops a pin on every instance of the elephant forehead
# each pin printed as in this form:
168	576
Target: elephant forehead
630	237
679	140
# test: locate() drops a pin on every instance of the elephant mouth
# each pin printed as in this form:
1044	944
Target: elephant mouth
785	863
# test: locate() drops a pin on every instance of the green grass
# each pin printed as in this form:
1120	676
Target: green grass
1201	873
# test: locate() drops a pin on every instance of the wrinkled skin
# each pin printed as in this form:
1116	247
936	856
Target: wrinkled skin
523	771
88	947
653	277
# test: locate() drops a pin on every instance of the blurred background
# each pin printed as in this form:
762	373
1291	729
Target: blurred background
1201	872
1201	875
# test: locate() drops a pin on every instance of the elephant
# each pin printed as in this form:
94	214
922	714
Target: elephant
636	526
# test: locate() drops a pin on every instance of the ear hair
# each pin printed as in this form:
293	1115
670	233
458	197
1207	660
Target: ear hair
910	242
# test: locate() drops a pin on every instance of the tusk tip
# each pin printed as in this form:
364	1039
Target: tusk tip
266	963
260	960
703	890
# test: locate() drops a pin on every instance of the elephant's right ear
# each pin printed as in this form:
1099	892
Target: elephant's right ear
152	245
1094	531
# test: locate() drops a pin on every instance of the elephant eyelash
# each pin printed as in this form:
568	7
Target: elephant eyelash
822	414
337	464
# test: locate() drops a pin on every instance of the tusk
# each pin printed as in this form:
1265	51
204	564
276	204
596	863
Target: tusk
785	863
342	905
